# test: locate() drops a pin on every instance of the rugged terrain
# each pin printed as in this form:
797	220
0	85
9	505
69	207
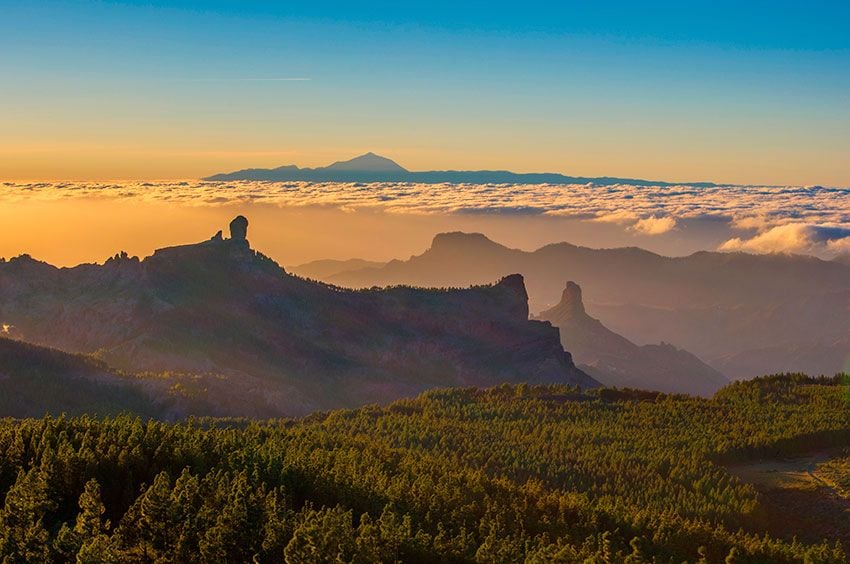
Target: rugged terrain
221	308
745	315
615	361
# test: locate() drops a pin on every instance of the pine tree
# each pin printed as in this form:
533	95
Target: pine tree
608	555
732	557
326	535
90	517
185	505
278	526
369	547
90	528
637	555
229	540
23	536
155	523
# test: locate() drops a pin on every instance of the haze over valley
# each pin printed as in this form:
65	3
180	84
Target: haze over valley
744	314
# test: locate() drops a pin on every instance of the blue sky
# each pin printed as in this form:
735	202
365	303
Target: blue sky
738	92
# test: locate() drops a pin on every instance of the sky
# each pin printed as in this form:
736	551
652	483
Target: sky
731	92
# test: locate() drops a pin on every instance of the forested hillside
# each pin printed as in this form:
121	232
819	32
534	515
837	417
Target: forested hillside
35	381
509	474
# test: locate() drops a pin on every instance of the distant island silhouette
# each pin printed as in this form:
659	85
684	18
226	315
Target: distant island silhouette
375	168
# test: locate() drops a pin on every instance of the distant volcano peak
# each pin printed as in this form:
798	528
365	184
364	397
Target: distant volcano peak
369	162
371	167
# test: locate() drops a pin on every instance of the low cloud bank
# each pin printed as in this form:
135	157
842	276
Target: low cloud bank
761	219
794	238
654	225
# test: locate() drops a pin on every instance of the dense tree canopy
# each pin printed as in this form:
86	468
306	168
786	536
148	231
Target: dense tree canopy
513	473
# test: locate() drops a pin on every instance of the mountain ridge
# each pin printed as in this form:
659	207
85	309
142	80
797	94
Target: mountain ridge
221	307
370	167
37	381
717	305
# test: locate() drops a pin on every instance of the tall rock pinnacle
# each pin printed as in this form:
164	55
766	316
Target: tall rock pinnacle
239	228
571	299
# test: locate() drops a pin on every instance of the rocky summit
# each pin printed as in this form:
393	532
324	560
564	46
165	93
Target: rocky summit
221	309
616	361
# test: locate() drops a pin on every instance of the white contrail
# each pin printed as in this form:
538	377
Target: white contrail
257	79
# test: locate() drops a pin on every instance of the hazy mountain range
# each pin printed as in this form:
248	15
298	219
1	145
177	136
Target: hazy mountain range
745	315
217	328
375	168
283	344
615	361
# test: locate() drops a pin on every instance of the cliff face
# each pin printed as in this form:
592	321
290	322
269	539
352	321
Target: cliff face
744	314
221	307
615	361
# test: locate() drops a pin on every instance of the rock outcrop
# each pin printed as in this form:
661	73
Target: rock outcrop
239	228
216	307
572	303
615	361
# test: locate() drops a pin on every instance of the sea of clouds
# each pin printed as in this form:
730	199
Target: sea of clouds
763	219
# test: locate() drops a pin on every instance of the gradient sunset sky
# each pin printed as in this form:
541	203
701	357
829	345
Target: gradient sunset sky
744	92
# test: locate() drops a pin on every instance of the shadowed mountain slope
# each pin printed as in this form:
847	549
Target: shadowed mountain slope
37	381
723	307
221	307
616	361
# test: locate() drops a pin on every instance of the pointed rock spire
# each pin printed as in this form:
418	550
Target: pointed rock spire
571	299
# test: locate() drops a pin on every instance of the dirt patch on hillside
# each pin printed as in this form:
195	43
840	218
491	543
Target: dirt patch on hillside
795	500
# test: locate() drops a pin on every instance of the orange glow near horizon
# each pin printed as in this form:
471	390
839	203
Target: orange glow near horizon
647	160
67	233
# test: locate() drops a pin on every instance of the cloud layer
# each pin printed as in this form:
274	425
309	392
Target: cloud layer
794	238
809	219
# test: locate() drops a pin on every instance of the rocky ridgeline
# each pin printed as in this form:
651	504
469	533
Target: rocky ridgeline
745	315
220	307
